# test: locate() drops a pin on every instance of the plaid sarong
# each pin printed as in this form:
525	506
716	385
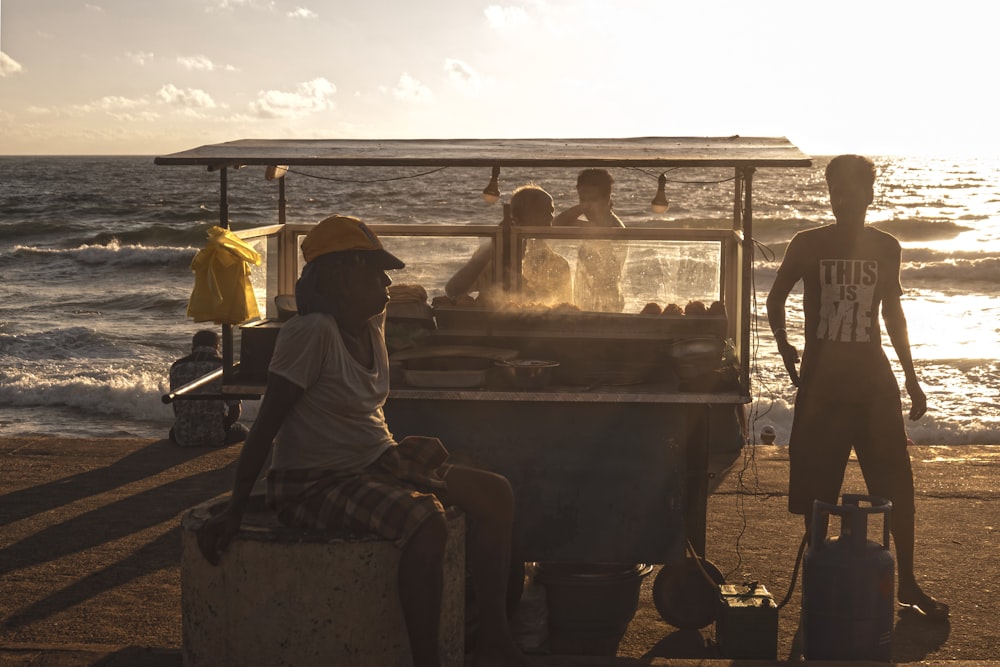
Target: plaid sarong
392	497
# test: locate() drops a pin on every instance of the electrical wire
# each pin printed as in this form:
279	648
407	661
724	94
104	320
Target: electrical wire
723	180
701	568
363	180
749	438
670	180
650	173
768	255
748	479
795	570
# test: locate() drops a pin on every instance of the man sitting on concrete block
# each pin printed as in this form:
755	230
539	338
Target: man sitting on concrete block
336	465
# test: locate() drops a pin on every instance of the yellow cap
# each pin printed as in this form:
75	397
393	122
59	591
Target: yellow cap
341	232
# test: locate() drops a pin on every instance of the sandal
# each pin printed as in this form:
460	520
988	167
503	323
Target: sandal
927	607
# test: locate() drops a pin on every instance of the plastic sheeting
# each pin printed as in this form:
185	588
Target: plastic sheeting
222	291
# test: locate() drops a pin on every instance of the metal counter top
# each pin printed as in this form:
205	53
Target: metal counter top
636	394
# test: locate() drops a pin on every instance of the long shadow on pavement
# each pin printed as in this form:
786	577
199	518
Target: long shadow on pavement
145	462
127	516
161	553
123	517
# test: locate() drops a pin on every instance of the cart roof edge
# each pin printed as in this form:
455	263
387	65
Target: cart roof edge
651	152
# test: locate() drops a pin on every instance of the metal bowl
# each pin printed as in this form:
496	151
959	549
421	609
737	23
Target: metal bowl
527	374
694	357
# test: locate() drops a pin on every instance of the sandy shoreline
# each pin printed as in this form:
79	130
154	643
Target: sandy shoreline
90	544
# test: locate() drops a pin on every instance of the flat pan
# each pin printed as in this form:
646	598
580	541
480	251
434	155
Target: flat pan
527	321
437	351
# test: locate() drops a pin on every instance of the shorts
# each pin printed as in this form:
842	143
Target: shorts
391	498
823	432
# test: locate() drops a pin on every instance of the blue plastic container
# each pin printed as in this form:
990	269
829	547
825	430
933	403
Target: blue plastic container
848	584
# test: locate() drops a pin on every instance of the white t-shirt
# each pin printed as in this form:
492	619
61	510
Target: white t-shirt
338	423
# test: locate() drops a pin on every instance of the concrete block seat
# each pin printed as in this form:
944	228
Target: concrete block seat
286	596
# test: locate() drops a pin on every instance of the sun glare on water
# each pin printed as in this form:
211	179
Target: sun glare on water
941	326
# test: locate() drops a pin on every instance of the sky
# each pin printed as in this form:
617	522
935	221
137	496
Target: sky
149	77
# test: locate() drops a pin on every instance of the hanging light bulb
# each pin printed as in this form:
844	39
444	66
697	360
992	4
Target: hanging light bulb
660	201
491	193
275	171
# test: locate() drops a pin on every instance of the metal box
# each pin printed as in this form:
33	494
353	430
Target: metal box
746	626
257	341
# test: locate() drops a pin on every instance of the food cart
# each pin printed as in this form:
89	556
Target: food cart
608	454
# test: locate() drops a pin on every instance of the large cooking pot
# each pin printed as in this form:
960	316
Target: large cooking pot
526	374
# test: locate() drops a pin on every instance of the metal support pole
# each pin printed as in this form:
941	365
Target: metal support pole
747	292
281	200
506	251
228	366
224	197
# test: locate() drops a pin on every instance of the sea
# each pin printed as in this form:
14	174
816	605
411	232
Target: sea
95	256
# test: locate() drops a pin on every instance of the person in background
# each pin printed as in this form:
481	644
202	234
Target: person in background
600	263
336	465
203	422
847	393
593	187
546	276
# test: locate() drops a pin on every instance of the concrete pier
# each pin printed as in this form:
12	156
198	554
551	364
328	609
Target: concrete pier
90	554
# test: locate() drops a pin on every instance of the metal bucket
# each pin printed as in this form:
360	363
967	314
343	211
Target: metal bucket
590	604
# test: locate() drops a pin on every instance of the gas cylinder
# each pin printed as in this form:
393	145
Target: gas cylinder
848	589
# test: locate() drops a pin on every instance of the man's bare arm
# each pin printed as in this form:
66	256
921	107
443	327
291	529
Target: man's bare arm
466	277
776	298
899	336
279	397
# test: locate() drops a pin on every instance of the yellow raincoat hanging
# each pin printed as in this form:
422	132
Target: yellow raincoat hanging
222	291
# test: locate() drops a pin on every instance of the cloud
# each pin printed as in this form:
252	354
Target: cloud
116	106
462	75
141	117
122	109
195	62
302	13
111	104
409	88
228	5
139	57
505	18
188	98
8	65
202	63
309	97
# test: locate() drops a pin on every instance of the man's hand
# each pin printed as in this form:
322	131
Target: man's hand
216	533
790	356
918	401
